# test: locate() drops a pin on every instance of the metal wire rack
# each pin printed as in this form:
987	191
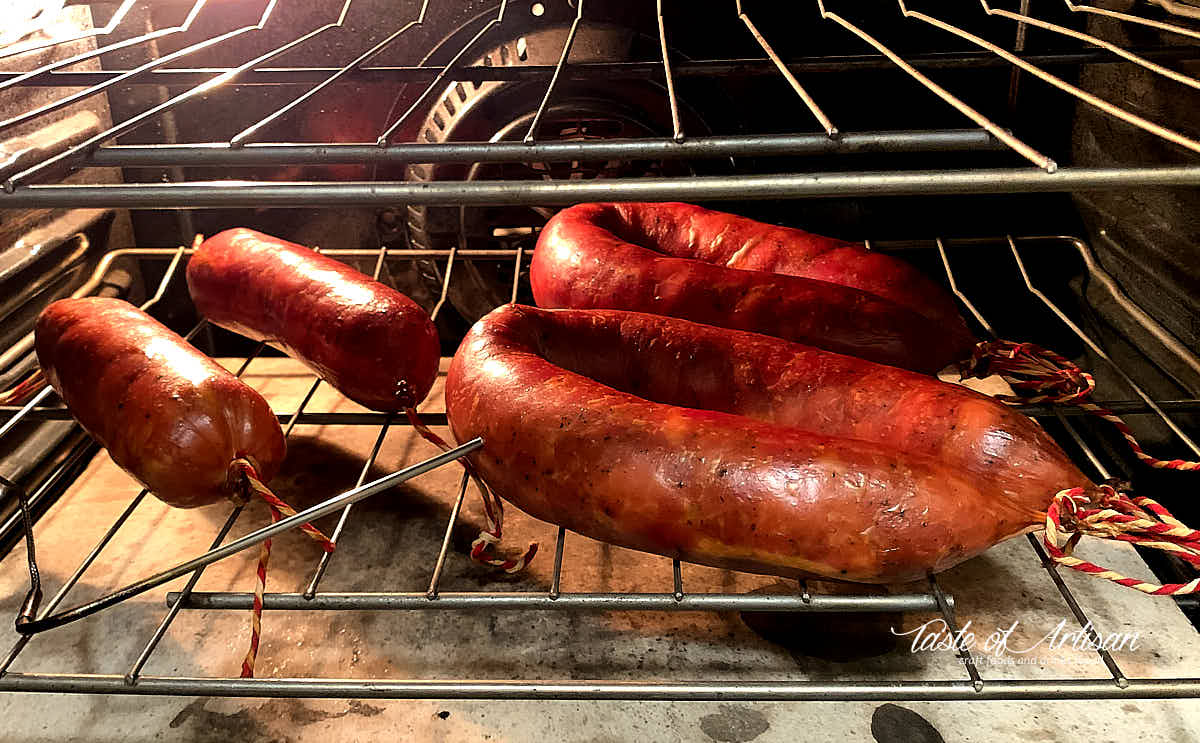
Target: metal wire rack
22	187
934	599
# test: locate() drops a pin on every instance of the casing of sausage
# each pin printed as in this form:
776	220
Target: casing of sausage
721	269
168	415
372	343
720	447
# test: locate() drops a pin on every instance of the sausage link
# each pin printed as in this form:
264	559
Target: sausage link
723	448
168	415
720	269
372	343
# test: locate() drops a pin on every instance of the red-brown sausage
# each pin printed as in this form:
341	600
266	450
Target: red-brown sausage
720	269
372	343
738	450
167	414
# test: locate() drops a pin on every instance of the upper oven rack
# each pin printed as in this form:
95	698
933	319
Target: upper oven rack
974	686
22	177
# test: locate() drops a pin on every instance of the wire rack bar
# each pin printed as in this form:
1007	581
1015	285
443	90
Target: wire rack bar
1128	18
249	132
275	76
114	21
219	154
515	600
770	691
1024	18
676	127
93	53
562	62
809	101
216	194
137	120
133	74
389	130
949	98
436	578
1102	105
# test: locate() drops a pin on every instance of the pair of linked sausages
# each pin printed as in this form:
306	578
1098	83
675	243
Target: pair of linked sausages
699	441
174	418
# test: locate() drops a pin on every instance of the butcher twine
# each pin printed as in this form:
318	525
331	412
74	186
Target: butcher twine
483	548
1047	377
1137	520
255	486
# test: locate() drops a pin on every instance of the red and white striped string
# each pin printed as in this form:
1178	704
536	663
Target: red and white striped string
1112	515
1044	376
21	391
254	486
485	545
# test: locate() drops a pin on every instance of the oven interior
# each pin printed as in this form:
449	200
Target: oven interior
1037	157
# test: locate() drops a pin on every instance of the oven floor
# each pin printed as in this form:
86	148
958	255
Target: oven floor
390	544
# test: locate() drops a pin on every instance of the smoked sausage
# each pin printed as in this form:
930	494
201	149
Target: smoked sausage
737	450
721	269
369	341
168	415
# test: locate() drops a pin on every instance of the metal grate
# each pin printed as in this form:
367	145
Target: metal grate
974	686
251	146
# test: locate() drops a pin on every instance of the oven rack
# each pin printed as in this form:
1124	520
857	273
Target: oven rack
21	177
973	686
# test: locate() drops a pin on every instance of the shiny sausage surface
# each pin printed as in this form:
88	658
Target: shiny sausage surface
737	450
372	343
169	415
721	269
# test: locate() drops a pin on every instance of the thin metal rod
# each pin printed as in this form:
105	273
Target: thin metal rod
139	119
420	101
90	54
952	626
132	74
562	62
728	68
677	579
541	601
24	411
309	514
1068	689
214	154
962	297
117	16
436	578
1087	450
1100	352
323	565
1096	102
1052	570
809	101
560	542
244	136
517	272
690	691
299	414
677	128
204	195
134	670
1128	18
1154	67
1018	146
79	571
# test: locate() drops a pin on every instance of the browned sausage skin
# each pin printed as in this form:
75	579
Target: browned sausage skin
168	415
372	343
597	421
720	269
